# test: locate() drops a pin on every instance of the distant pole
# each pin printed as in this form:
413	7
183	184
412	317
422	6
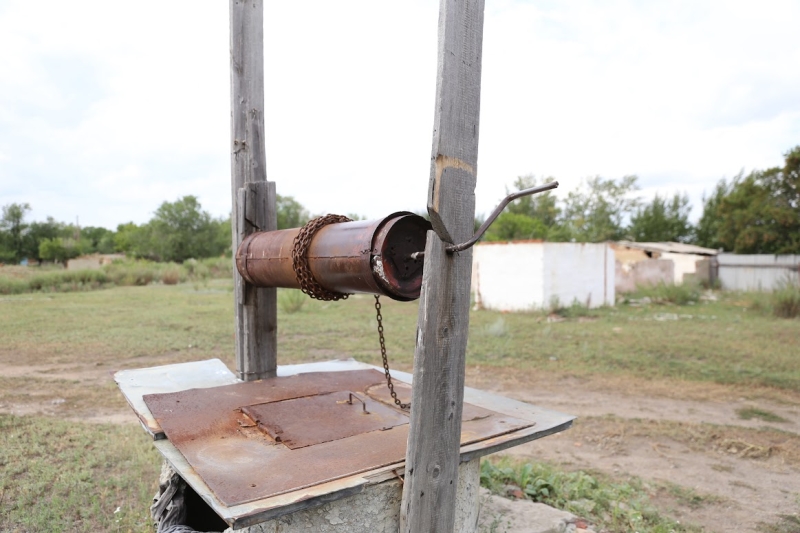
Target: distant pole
253	197
433	454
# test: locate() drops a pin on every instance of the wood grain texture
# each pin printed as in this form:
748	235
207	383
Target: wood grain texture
253	197
454	155
432	456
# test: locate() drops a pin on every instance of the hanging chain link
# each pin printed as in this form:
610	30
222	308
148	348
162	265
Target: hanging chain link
302	241
311	287
389	383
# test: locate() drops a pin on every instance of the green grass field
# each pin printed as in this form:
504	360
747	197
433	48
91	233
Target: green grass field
61	472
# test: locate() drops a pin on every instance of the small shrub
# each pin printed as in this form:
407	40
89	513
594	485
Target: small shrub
131	272
171	275
219	267
291	300
786	300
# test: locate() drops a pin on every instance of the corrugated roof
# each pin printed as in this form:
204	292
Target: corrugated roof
674	247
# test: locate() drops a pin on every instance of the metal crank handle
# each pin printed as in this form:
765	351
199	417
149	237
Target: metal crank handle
488	222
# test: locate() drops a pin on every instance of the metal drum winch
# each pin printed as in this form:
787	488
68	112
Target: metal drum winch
364	256
333	256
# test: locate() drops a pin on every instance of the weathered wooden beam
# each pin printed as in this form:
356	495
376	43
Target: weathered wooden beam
253	197
432	457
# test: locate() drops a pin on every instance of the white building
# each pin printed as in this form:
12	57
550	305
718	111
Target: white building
523	276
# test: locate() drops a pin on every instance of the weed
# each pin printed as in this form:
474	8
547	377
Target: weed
748	413
171	275
614	505
13	286
786	300
575	310
688	496
686	293
787	524
291	300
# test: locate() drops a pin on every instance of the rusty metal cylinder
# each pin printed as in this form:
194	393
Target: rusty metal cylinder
364	256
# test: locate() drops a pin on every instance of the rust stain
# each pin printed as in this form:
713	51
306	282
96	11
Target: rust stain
241	462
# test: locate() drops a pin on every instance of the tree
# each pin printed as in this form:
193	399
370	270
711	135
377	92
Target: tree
529	217
38	232
707	230
662	220
13	232
59	249
596	210
291	214
97	240
514	227
179	231
128	238
761	212
541	206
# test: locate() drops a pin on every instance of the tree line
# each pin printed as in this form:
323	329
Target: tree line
178	231
754	213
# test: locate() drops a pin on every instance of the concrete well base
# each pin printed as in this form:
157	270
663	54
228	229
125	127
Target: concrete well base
376	510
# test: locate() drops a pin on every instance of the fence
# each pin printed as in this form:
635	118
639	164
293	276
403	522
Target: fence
757	272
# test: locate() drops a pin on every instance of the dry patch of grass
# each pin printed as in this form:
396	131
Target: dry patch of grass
527	377
66	397
733	441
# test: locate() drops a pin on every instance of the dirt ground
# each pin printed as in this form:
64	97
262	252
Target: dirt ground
738	490
623	428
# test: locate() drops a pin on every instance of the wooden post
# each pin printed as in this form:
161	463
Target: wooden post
254	199
433	451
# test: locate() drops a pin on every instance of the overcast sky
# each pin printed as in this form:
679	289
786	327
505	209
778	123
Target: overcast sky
109	108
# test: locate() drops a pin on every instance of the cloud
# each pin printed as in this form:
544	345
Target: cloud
108	109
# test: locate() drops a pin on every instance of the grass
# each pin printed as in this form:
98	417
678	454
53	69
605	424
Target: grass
786	300
58	350
612	505
57	475
669	293
787	524
748	413
291	301
19	280
709	342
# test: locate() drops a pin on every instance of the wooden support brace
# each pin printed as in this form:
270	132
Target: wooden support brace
254	199
256	307
433	454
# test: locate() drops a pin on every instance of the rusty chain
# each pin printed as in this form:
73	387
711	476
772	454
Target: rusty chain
312	288
302	271
389	383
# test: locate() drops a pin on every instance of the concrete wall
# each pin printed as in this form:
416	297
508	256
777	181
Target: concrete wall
529	275
579	272
92	262
508	276
757	272
684	264
628	276
376	510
